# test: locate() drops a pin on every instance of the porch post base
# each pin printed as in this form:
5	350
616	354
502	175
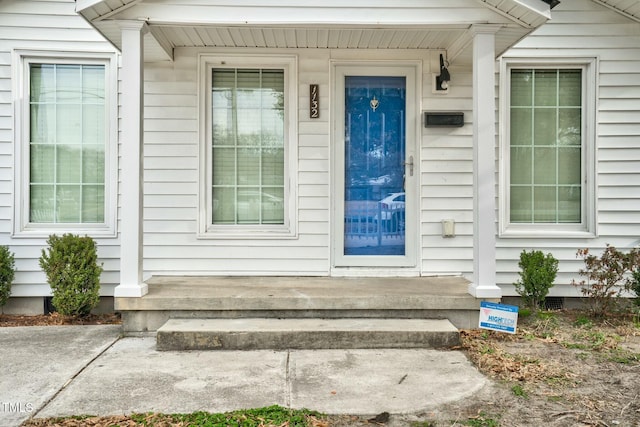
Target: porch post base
493	292
131	290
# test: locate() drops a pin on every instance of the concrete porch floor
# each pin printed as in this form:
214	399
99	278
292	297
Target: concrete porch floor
443	297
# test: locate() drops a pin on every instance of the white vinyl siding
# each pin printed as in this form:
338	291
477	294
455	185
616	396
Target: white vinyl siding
172	171
47	29
582	28
447	179
172	174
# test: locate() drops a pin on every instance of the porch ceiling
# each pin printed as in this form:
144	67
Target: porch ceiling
371	24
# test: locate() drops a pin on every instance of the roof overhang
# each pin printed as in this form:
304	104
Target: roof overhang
630	9
331	24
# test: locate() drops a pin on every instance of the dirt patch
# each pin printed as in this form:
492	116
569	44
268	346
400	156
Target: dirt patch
56	319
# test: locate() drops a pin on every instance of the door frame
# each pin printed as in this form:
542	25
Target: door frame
376	264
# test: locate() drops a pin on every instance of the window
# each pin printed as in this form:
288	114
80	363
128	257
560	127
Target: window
247	147
548	148
66	146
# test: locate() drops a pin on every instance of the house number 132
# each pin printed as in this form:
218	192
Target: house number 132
314	102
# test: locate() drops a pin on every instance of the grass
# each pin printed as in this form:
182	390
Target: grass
543	324
619	355
583	321
483	420
603	346
271	415
260	417
519	391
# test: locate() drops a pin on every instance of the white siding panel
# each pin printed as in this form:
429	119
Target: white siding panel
171	175
314	203
168	112
165	163
433	216
170	137
447	180
39	25
21	34
164	150
171	180
235	266
581	28
313	178
176	200
169	188
613	192
317	215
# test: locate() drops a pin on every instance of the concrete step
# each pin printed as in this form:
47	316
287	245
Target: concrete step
212	297
280	334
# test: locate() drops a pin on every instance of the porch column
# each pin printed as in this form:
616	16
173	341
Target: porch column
484	164
131	179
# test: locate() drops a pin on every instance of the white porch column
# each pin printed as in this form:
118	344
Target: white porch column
484	164
131	158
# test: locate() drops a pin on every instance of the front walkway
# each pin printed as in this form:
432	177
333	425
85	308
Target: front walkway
72	370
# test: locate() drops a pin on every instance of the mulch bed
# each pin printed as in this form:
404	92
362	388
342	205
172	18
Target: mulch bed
56	319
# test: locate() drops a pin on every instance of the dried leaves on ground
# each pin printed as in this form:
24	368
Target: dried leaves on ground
562	368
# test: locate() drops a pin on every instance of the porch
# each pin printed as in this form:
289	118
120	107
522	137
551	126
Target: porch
166	163
383	301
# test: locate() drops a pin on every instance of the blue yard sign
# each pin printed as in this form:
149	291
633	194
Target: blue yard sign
498	317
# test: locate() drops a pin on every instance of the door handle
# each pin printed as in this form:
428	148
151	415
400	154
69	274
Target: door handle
410	164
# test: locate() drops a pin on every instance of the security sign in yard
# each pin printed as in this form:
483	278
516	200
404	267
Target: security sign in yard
498	317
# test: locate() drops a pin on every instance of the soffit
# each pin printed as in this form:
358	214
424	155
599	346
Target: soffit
628	8
371	24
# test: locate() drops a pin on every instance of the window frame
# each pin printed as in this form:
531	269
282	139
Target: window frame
586	228
22	226
206	229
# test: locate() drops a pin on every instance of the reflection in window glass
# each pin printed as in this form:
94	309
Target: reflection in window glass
248	146
545	140
67	143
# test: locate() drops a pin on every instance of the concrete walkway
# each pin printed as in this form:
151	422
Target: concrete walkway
67	370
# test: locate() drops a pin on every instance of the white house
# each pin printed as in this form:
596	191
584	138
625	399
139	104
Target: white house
305	138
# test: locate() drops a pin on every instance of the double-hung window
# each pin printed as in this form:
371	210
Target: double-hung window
548	148
247	147
65	150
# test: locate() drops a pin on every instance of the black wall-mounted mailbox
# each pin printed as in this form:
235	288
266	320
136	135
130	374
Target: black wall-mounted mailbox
443	119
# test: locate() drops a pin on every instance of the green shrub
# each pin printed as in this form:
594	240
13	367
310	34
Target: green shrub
607	277
537	274
71	266
7	273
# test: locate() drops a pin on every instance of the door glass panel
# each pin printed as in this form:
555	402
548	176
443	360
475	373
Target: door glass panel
374	204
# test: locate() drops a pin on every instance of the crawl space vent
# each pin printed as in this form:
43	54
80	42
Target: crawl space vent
554	303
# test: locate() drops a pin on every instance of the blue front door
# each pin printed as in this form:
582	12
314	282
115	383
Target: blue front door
374	166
